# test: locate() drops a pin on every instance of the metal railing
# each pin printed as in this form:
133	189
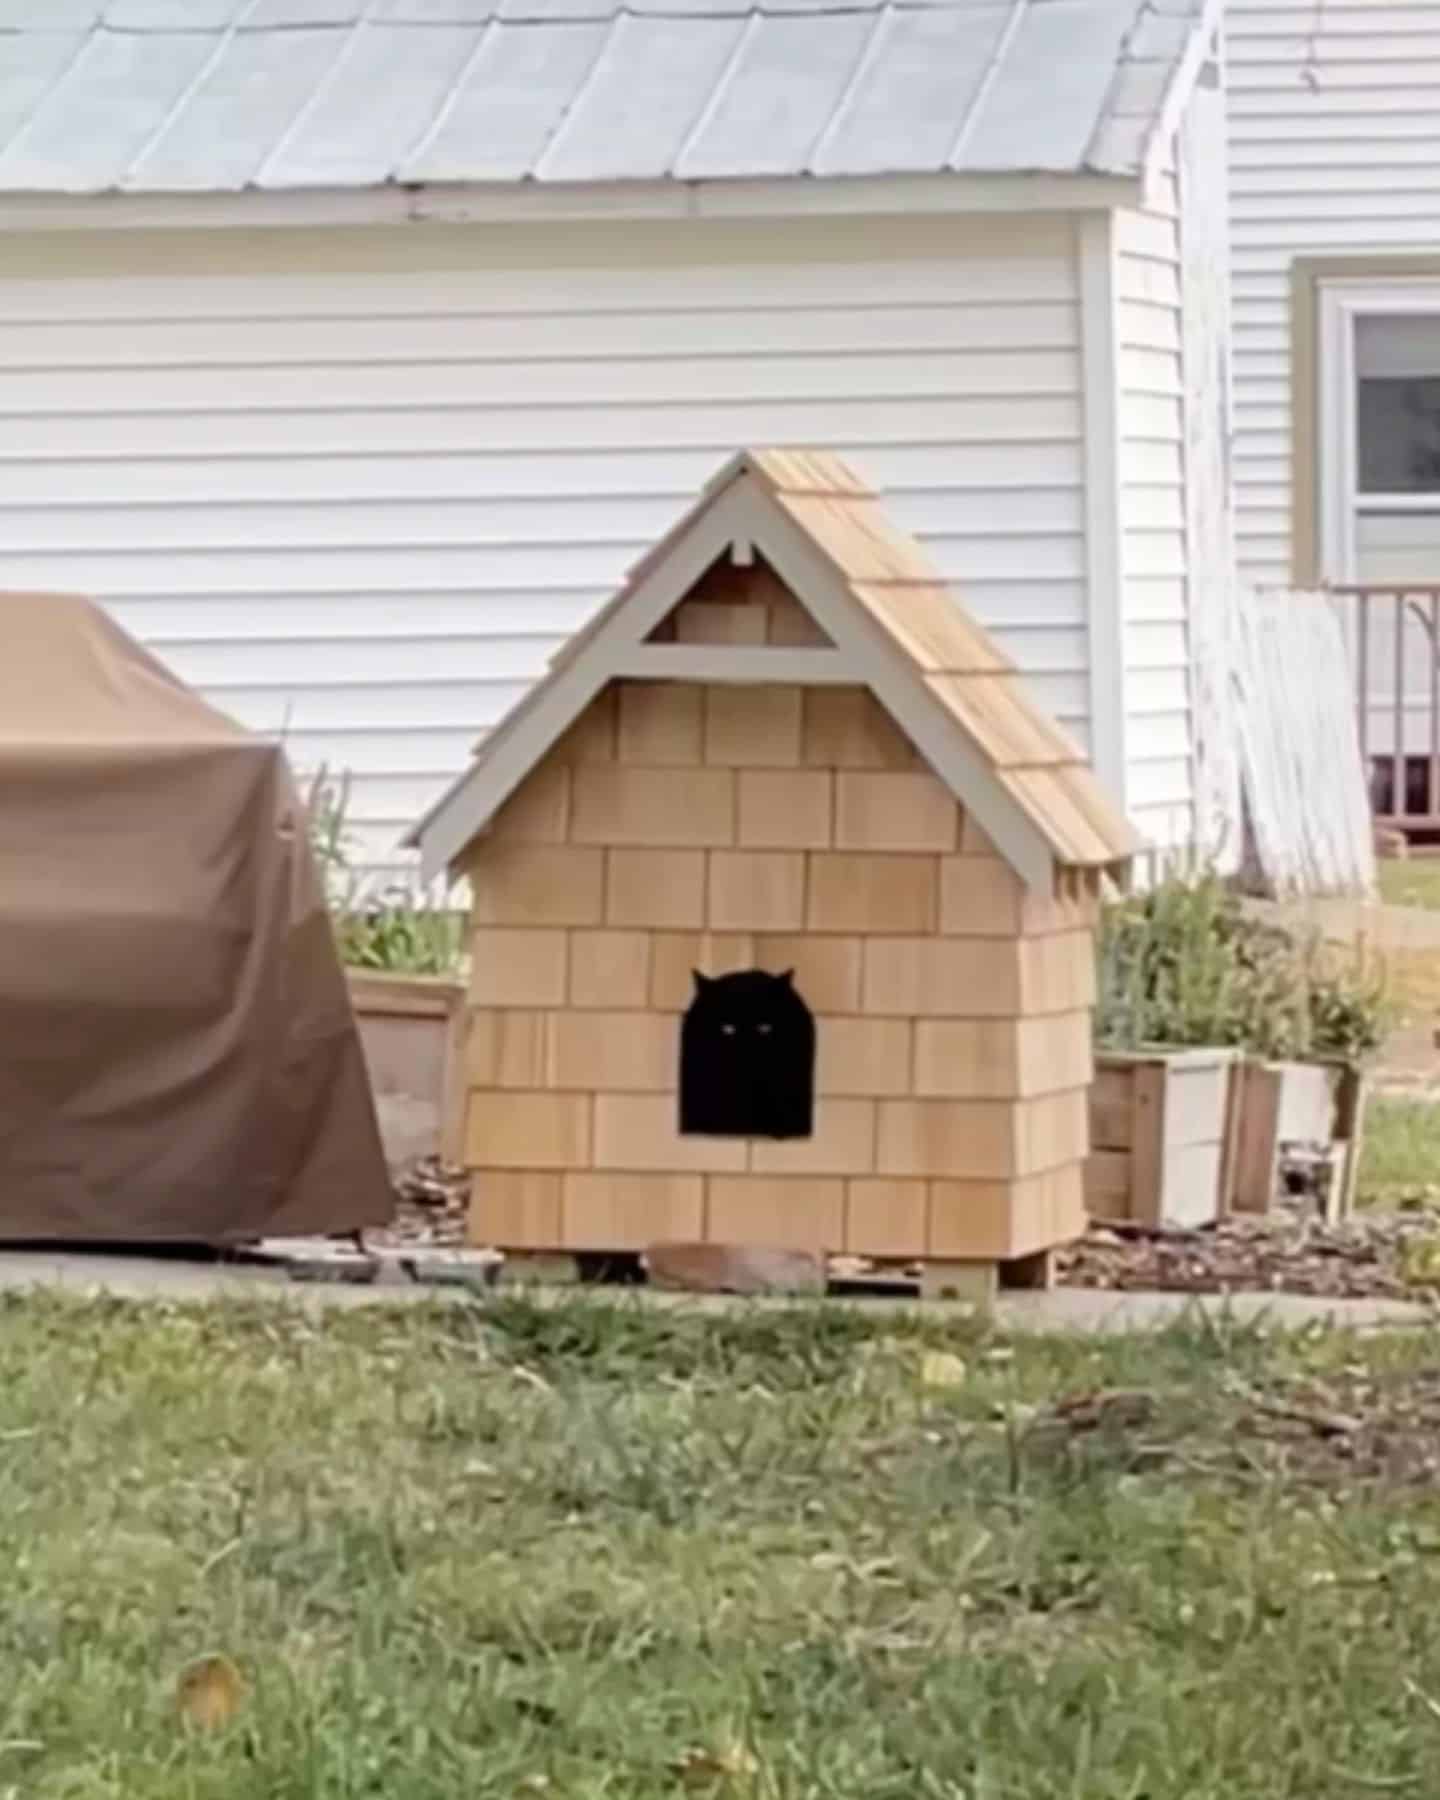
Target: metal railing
1394	638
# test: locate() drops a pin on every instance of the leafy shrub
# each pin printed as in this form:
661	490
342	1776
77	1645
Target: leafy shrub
394	930
1184	965
398	932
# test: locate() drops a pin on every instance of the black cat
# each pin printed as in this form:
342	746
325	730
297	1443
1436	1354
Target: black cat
747	1058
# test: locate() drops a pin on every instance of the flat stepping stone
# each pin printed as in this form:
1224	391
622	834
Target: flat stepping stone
436	1266
317	1259
360	1270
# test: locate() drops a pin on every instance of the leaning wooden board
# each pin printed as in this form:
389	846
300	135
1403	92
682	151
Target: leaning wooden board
1158	1124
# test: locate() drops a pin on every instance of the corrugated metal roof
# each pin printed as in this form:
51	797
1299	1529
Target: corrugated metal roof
221	95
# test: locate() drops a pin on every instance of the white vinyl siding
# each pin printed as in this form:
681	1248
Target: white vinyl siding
358	485
1177	544
1152	511
1334	126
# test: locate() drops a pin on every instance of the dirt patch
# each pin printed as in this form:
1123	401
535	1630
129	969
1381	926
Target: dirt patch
1348	1429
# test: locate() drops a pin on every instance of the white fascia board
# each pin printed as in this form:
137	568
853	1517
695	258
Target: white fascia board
564	203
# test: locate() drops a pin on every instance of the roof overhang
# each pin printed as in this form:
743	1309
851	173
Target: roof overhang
534	202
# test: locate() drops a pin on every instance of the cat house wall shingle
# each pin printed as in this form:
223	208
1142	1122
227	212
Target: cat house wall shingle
686	829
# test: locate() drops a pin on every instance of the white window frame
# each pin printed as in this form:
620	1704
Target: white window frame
1342	302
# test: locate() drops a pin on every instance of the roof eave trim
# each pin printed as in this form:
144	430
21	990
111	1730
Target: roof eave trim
572	202
891	678
1203	47
741	512
509	753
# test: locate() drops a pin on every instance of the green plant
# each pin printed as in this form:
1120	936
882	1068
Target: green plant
400	932
396	929
1350	1004
327	805
1185	964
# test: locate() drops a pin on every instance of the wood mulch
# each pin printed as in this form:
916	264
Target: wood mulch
1392	1256
430	1202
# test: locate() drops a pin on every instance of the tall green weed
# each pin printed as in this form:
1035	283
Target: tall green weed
1185	965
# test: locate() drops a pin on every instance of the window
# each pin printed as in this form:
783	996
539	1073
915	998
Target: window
1375	439
1379	432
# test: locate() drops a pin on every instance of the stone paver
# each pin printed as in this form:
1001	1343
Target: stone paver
1063	1309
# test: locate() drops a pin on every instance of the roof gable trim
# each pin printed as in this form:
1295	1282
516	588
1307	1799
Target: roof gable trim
508	754
876	662
740	511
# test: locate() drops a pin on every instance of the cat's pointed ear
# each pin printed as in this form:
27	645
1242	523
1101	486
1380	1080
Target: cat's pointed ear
786	977
701	981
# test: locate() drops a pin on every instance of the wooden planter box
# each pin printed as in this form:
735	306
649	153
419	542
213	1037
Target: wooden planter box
1278	1103
410	1028
1159	1122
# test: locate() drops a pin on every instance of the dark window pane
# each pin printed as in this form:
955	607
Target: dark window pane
1398	434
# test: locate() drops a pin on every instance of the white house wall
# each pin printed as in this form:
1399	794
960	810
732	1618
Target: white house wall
1334	125
1177	561
1152	511
358	485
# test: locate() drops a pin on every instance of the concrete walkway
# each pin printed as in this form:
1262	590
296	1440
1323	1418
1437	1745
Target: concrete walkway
1093	1310
1062	1309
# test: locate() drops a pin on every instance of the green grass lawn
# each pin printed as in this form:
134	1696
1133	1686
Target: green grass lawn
593	1550
1411	881
1400	1153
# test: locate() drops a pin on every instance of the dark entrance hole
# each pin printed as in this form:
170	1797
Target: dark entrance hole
747	1058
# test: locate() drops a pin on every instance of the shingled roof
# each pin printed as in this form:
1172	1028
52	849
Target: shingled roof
217	96
890	624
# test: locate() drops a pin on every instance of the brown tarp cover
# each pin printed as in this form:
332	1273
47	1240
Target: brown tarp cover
178	1057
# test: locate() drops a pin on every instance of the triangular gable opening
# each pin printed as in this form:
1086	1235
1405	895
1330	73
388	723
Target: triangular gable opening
740	604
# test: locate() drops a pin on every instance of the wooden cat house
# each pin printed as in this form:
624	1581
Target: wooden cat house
783	903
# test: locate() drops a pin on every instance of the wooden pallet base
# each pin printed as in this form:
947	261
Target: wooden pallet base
1037	1271
975	1282
979	1282
570	1268
540	1267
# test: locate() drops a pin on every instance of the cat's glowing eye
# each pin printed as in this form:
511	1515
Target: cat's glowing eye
764	1030
727	1031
